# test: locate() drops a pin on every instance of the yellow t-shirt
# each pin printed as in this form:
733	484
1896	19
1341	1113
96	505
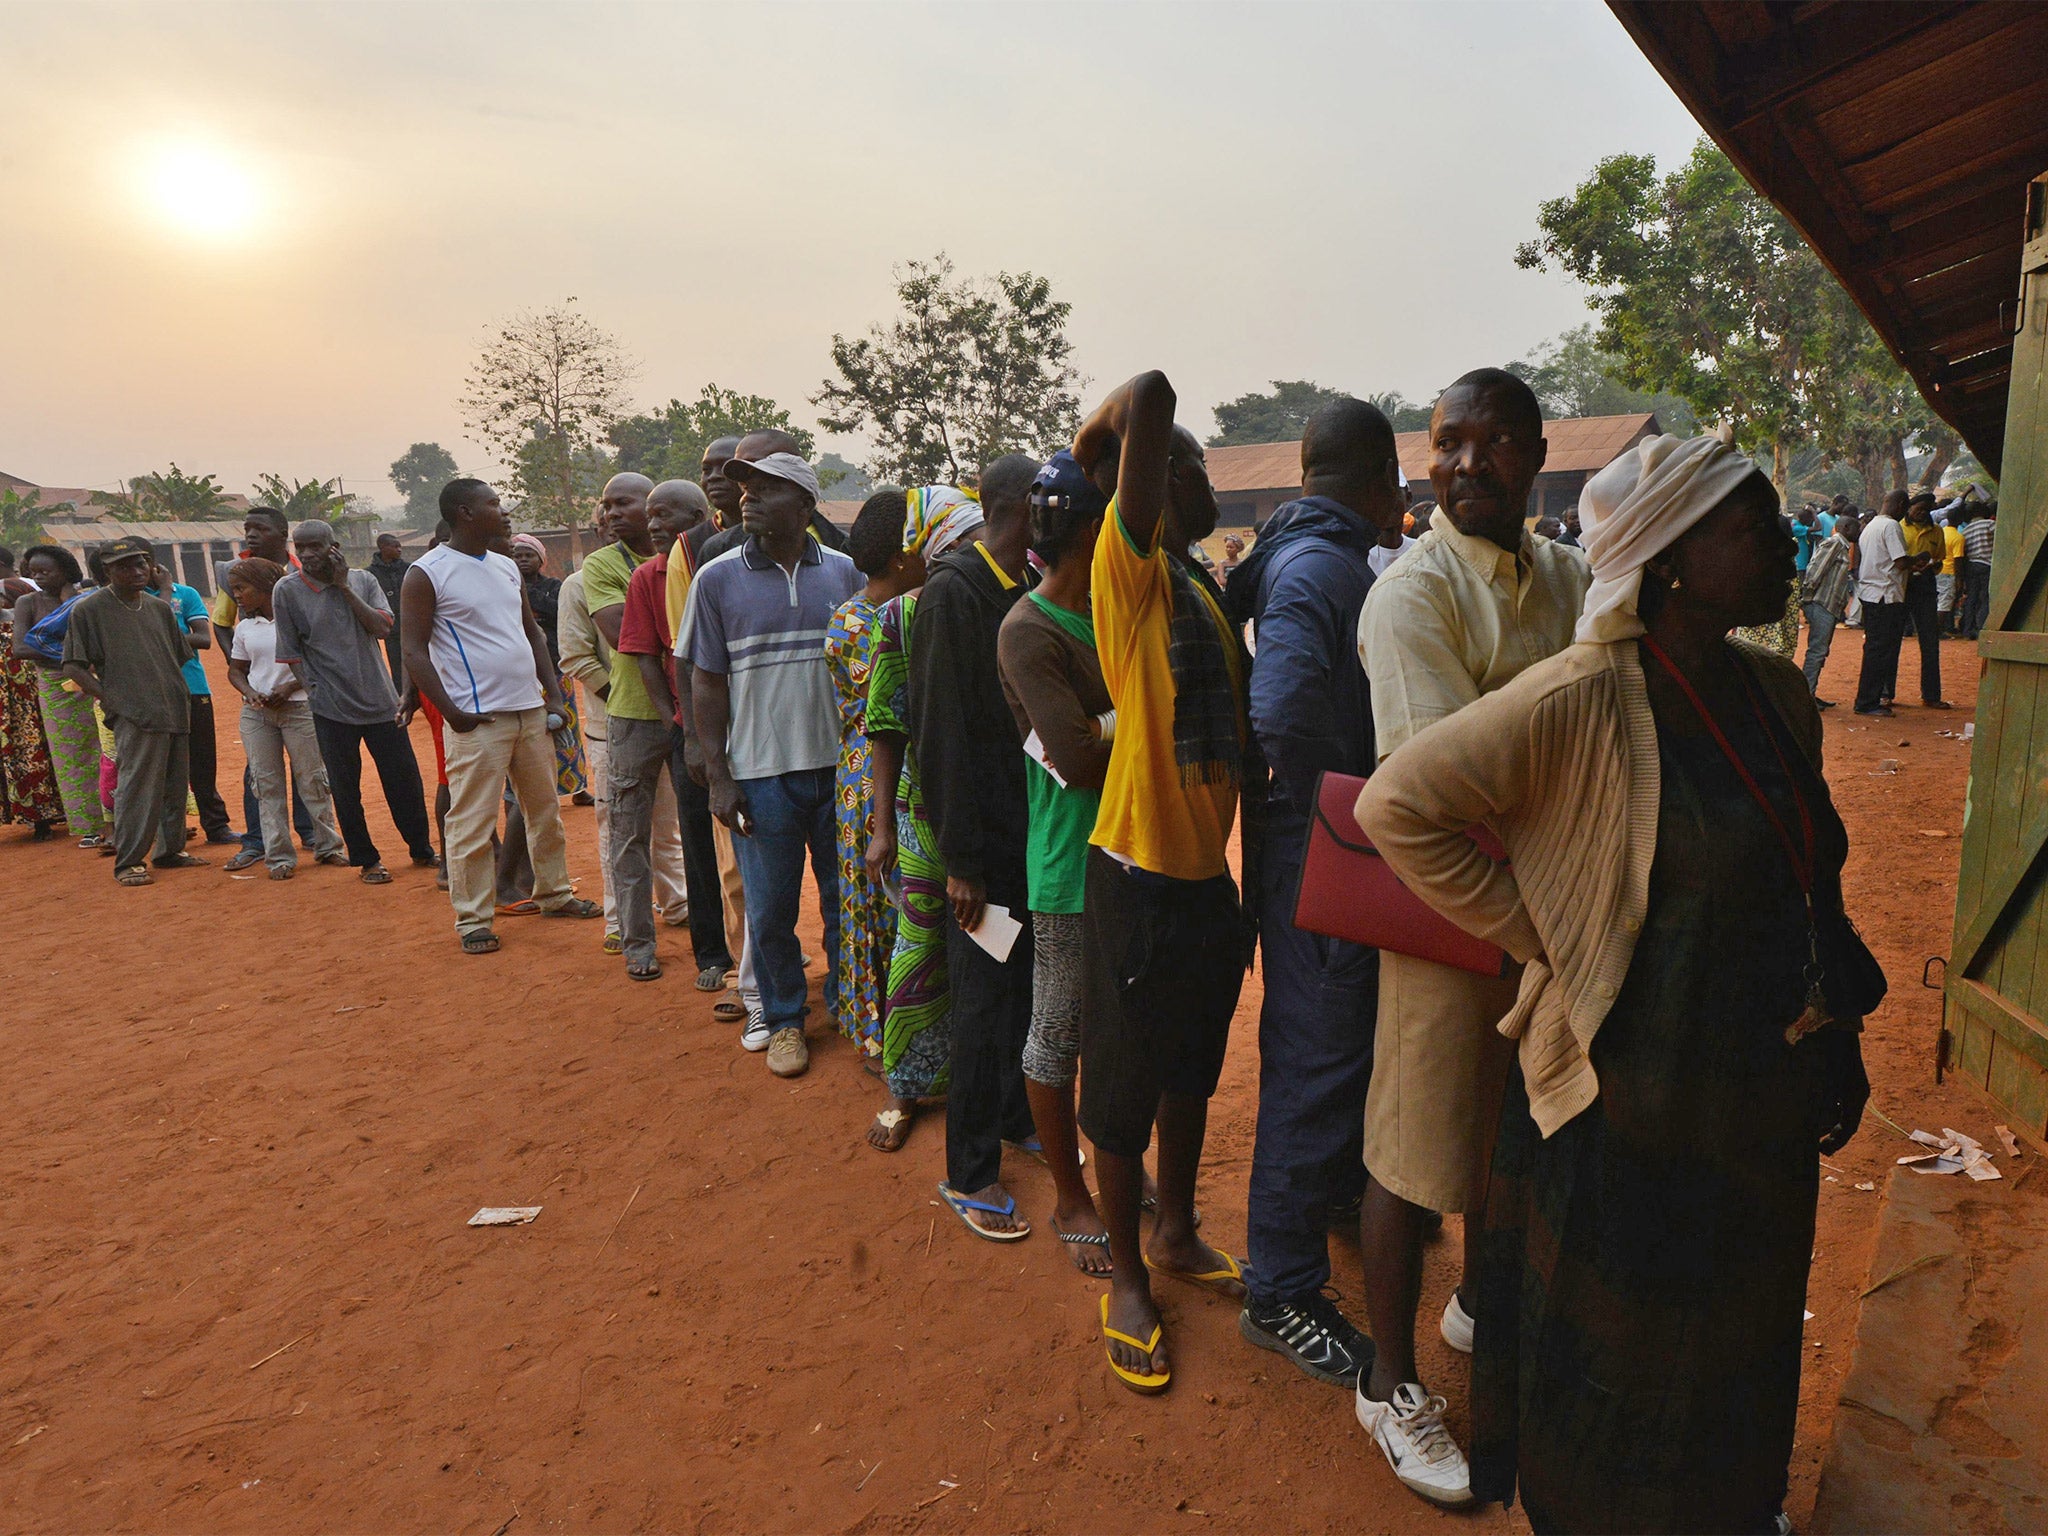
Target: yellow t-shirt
1923	540
1952	544
1148	817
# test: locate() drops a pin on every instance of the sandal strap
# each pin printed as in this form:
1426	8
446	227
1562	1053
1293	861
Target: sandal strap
959	1201
1092	1239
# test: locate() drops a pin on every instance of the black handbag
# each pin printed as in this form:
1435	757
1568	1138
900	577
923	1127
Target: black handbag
1850	978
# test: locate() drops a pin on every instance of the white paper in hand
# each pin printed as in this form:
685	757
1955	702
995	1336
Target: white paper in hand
1034	748
998	931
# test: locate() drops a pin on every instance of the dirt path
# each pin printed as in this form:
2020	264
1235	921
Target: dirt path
248	1121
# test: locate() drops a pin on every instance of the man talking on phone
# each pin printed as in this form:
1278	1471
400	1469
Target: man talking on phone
768	727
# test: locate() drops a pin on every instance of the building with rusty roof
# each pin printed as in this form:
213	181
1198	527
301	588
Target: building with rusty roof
1254	479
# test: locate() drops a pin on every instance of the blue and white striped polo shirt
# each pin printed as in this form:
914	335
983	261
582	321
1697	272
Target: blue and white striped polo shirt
764	628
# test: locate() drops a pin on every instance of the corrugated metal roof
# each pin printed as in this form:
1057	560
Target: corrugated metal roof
1583	444
1900	140
157	533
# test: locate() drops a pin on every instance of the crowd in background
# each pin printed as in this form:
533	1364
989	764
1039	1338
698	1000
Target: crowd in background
1014	735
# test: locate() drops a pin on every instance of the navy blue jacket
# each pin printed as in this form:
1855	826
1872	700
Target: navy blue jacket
1301	587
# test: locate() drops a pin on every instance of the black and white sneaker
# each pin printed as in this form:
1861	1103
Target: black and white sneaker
1311	1332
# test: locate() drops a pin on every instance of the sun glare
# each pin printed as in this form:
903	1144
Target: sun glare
200	190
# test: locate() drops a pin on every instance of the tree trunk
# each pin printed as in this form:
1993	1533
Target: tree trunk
1781	468
1937	466
1897	446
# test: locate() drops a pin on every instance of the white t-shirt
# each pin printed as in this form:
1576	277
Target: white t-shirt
256	643
479	645
1880	568
1379	557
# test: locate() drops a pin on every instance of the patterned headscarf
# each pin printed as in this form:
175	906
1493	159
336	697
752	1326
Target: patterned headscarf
936	517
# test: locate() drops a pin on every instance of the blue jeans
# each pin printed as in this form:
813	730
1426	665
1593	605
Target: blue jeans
1315	1063
1820	639
791	814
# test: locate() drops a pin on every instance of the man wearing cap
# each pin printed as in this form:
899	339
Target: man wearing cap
750	449
128	650
1311	709
768	728
971	767
331	625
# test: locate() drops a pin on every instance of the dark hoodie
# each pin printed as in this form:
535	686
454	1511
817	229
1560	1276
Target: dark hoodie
1301	587
970	759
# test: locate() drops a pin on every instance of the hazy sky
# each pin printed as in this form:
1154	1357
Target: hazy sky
1233	192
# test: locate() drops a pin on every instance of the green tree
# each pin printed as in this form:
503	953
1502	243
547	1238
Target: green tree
1573	376
669	444
1703	289
1278	417
1402	414
971	369
570	481
22	514
168	496
299	500
419	473
542	396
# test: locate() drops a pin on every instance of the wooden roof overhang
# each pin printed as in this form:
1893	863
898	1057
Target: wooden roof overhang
1901	140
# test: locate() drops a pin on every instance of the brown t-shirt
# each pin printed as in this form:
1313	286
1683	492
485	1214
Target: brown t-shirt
138	654
1053	682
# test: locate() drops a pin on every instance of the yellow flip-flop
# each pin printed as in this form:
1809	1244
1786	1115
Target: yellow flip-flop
1227	1281
1148	1383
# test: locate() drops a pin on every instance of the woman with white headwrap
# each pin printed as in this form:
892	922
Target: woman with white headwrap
1687	1022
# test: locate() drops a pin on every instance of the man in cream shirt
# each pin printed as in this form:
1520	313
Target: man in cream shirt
1476	601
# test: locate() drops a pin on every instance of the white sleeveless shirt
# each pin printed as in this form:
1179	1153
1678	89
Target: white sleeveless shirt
479	644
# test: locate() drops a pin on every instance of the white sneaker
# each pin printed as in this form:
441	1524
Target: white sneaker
1457	1325
756	1035
1410	1431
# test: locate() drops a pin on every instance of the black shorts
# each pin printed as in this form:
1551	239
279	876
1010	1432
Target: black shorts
1162	963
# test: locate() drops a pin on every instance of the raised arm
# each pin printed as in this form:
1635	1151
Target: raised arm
1139	415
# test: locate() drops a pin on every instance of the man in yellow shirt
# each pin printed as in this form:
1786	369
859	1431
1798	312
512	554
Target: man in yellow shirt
1164	940
1927	549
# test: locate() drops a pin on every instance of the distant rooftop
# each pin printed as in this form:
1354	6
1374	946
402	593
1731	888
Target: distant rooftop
1582	444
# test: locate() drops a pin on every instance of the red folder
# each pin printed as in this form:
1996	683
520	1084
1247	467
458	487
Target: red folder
1348	892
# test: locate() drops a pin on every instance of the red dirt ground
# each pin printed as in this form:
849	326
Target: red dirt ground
248	1121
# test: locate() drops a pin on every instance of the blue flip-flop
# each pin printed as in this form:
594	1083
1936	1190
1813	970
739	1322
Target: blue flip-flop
960	1205
1032	1147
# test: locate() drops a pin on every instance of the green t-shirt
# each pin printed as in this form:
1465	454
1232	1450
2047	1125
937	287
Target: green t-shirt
1056	849
606	575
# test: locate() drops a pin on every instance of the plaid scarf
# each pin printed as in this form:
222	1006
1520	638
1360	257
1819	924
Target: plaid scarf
1213	742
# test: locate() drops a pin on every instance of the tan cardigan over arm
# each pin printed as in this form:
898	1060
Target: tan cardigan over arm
1563	763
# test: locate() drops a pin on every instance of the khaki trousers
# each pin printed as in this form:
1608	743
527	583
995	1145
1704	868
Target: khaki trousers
734	892
515	745
1439	1070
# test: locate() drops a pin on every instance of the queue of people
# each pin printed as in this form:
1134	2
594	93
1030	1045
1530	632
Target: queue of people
1053	786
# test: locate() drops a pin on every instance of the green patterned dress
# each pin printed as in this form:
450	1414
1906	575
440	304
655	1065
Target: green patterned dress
916	1034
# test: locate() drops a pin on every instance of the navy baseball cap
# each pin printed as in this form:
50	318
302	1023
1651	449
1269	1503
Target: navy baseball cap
1061	481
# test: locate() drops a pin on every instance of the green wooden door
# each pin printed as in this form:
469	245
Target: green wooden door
1995	1012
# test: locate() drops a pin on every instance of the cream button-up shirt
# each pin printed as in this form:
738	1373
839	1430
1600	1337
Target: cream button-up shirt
1457	617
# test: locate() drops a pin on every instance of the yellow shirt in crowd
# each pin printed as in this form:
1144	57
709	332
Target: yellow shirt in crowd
1925	540
1952	549
1148	817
